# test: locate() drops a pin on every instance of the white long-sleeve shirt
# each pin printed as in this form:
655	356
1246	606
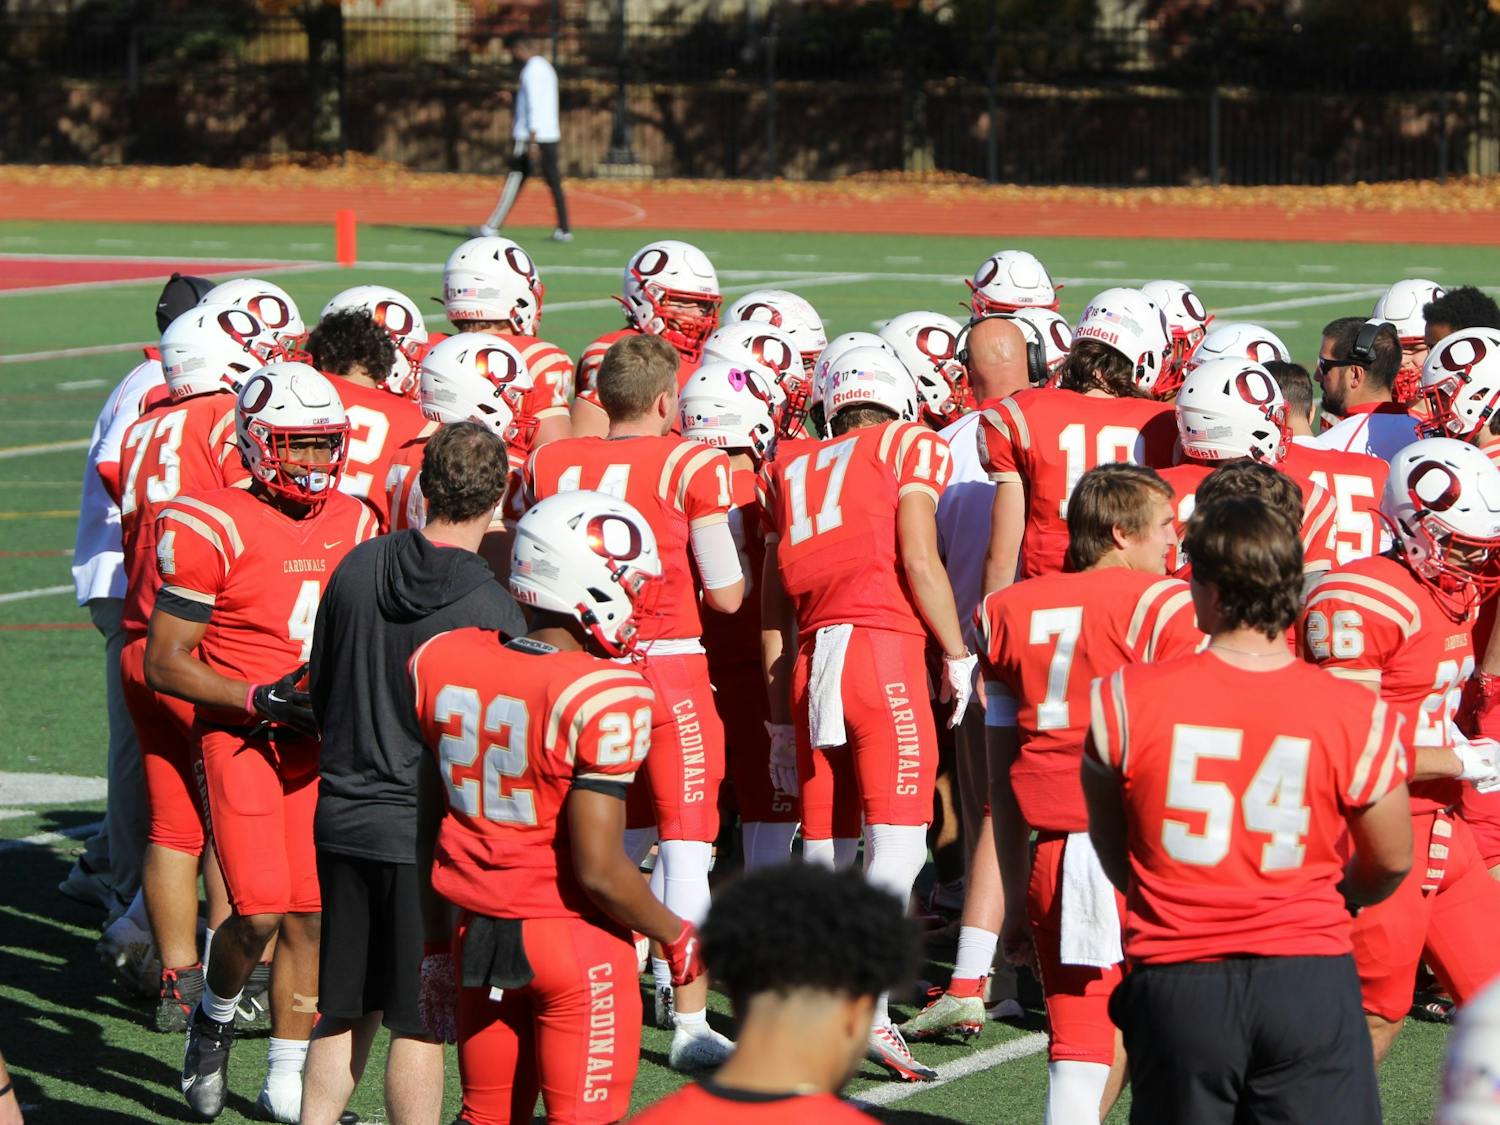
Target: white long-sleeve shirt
536	103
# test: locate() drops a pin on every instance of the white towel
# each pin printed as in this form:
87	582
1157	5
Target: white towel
1090	920
825	687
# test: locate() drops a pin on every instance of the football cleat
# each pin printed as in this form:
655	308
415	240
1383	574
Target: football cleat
91	888
281	1097
704	1049
181	989
889	1049
664	1011
947	1014
252	1015
131	955
205	1065
1007	1009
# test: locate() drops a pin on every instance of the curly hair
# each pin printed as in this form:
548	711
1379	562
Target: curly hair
1464	306
463	472
344	341
1250	554
806	927
1092	366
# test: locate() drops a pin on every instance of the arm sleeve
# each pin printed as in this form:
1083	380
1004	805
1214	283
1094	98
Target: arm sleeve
924	462
1107	743
608	726
717	555
999	435
191	557
1378	758
1319	529
1349	626
701	490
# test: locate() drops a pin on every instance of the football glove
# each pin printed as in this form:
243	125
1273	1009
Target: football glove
283	704
958	685
437	998
783	757
683	956
1480	758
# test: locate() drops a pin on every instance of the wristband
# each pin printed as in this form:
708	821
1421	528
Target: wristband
7	1088
250	698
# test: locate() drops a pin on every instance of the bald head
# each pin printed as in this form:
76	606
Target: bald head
997	359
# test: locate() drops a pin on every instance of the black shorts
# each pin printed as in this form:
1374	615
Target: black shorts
1247	1040
370	956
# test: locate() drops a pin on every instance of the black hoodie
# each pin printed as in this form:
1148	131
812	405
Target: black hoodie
385	599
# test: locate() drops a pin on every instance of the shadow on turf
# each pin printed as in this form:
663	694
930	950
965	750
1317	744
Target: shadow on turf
66	1041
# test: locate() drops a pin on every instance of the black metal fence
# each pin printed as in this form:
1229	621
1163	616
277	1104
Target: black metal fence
801	90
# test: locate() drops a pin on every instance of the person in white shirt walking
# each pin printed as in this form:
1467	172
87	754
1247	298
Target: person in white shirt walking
536	127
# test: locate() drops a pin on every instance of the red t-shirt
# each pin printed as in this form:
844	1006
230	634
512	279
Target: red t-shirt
1376	622
1047	438
705	1103
186	446
1236	786
515	729
676	484
380	423
831	505
1043	642
259	571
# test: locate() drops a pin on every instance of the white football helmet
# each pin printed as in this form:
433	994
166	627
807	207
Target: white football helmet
399	316
836	348
730	406
927	342
590	557
1129	322
1049	339
269	304
1401	305
1187	323
757	343
478	377
794	315
277	409
1442	503
1237	339
1471	1068
213	348
870	377
1009	280
672	291
1461	384
492	278
1232	408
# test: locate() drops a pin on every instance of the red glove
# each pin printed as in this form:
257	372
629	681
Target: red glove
682	955
1479	708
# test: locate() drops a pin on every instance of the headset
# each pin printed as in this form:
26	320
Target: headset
1362	351
1036	350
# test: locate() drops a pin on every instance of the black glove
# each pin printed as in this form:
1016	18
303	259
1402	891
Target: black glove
283	704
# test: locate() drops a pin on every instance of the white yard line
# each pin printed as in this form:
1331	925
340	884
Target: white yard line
71	353
39	592
1031	1043
1302	302
81	286
44	447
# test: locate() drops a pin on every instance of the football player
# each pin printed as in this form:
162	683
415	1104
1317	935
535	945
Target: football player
804	953
734	409
670	290
1223	789
794	315
755	344
1354	480
684	492
1402	306
359	355
268	303
491	285
1463	306
1357	365
1036	444
1044	642
402	321
242	570
852	588
1187	321
185	445
1400	625
1009	280
928	343
1239	339
826	359
537	741
1228	409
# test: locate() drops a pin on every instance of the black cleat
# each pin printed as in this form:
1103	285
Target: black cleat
181	989
205	1065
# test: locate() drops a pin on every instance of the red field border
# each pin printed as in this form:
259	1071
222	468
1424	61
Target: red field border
26	272
1464	212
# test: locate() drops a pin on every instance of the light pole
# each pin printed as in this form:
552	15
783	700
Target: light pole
621	149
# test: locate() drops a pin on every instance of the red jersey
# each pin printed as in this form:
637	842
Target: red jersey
1236	786
257	573
1043	642
551	372
676	484
515	727
593	356
403	488
186	446
1356	482
380	423
733	639
700	1102
1484	625
1318	512
831	505
1376	622
1047	438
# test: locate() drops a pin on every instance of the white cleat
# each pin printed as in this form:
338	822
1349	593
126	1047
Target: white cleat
130	954
889	1049
281	1098
705	1049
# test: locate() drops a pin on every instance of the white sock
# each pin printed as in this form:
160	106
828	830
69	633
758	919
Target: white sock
208	945
882	1011
218	1008
638	843
845	849
767	844
286	1056
1074	1091
894	855
976	953
819	853
693	1023
684	868
136	912
661	972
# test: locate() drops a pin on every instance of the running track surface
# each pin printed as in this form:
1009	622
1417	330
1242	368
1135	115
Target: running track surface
1289	215
36	273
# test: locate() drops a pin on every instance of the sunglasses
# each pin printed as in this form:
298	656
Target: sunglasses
1325	365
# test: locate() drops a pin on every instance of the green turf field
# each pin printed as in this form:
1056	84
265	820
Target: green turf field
81	1053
